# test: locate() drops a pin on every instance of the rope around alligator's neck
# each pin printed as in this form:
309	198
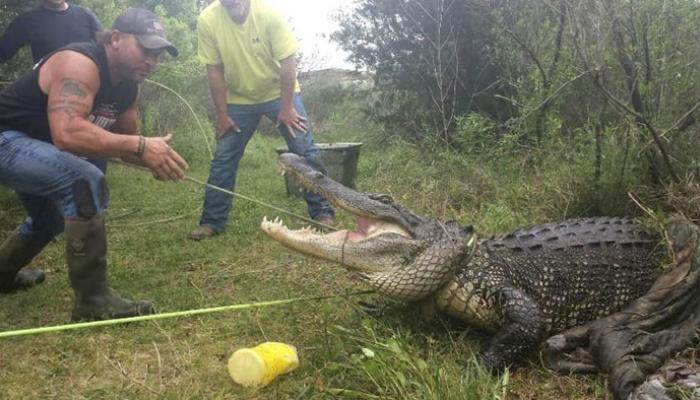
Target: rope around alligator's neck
234	194
153	317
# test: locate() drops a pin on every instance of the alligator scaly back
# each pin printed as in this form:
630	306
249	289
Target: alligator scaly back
551	277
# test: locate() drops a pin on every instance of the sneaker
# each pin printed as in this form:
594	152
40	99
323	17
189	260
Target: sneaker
202	232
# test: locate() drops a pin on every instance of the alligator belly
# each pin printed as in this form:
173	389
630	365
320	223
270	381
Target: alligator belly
461	300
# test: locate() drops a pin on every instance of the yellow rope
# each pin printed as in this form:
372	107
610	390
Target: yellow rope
153	317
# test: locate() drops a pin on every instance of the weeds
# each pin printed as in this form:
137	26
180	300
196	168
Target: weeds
393	368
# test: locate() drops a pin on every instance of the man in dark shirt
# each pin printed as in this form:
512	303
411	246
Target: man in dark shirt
53	24
79	101
49	26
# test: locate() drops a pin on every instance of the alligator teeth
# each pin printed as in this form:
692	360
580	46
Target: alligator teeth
277	222
307	229
271	225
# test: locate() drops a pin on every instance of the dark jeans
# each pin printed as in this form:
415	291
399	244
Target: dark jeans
230	149
44	178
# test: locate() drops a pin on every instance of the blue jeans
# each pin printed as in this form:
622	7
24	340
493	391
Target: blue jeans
53	185
230	149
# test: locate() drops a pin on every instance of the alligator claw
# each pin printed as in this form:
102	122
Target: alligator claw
557	342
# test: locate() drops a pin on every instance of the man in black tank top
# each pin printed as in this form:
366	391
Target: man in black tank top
80	101
50	26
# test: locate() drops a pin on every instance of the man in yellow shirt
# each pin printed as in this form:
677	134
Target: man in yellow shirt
249	52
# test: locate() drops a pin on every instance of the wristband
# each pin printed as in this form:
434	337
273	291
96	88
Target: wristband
141	148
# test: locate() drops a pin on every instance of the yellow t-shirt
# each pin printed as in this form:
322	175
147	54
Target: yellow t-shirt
249	53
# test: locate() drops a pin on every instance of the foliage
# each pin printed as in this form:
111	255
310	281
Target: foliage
478	135
603	59
541	70
426	56
331	90
10	70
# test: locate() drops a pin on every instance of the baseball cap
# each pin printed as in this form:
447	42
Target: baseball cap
144	25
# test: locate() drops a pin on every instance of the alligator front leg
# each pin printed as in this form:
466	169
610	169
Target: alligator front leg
521	332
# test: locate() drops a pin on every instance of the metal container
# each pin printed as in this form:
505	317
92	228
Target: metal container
340	160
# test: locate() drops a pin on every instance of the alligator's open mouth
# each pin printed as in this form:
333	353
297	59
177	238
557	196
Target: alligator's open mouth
366	228
374	215
380	239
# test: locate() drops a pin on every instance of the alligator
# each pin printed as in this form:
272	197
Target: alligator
522	286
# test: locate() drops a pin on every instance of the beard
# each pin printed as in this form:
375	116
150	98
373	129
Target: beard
238	11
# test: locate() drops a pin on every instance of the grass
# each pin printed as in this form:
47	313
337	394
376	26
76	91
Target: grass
344	353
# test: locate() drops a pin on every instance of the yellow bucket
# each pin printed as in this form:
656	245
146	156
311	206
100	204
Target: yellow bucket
261	364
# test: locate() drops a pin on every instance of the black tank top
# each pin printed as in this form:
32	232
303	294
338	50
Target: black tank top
23	104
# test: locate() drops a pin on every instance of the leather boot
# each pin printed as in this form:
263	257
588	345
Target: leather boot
86	250
16	253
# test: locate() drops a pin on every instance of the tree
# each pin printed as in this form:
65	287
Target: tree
429	60
543	70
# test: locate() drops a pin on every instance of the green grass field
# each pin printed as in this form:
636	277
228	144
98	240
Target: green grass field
344	353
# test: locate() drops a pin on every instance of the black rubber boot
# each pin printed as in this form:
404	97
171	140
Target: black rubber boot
86	248
16	253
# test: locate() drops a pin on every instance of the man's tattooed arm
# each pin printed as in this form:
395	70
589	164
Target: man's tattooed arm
72	99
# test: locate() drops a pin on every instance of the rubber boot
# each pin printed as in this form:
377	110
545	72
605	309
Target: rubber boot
86	250
16	253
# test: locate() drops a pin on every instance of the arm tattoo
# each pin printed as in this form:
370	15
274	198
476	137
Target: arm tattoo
71	99
72	88
69	107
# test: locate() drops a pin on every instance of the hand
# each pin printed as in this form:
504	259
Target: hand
292	120
224	124
162	160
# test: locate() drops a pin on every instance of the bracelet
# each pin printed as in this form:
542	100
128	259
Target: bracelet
142	146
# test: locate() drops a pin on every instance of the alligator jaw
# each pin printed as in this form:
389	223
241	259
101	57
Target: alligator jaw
372	207
367	228
373	246
381	240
